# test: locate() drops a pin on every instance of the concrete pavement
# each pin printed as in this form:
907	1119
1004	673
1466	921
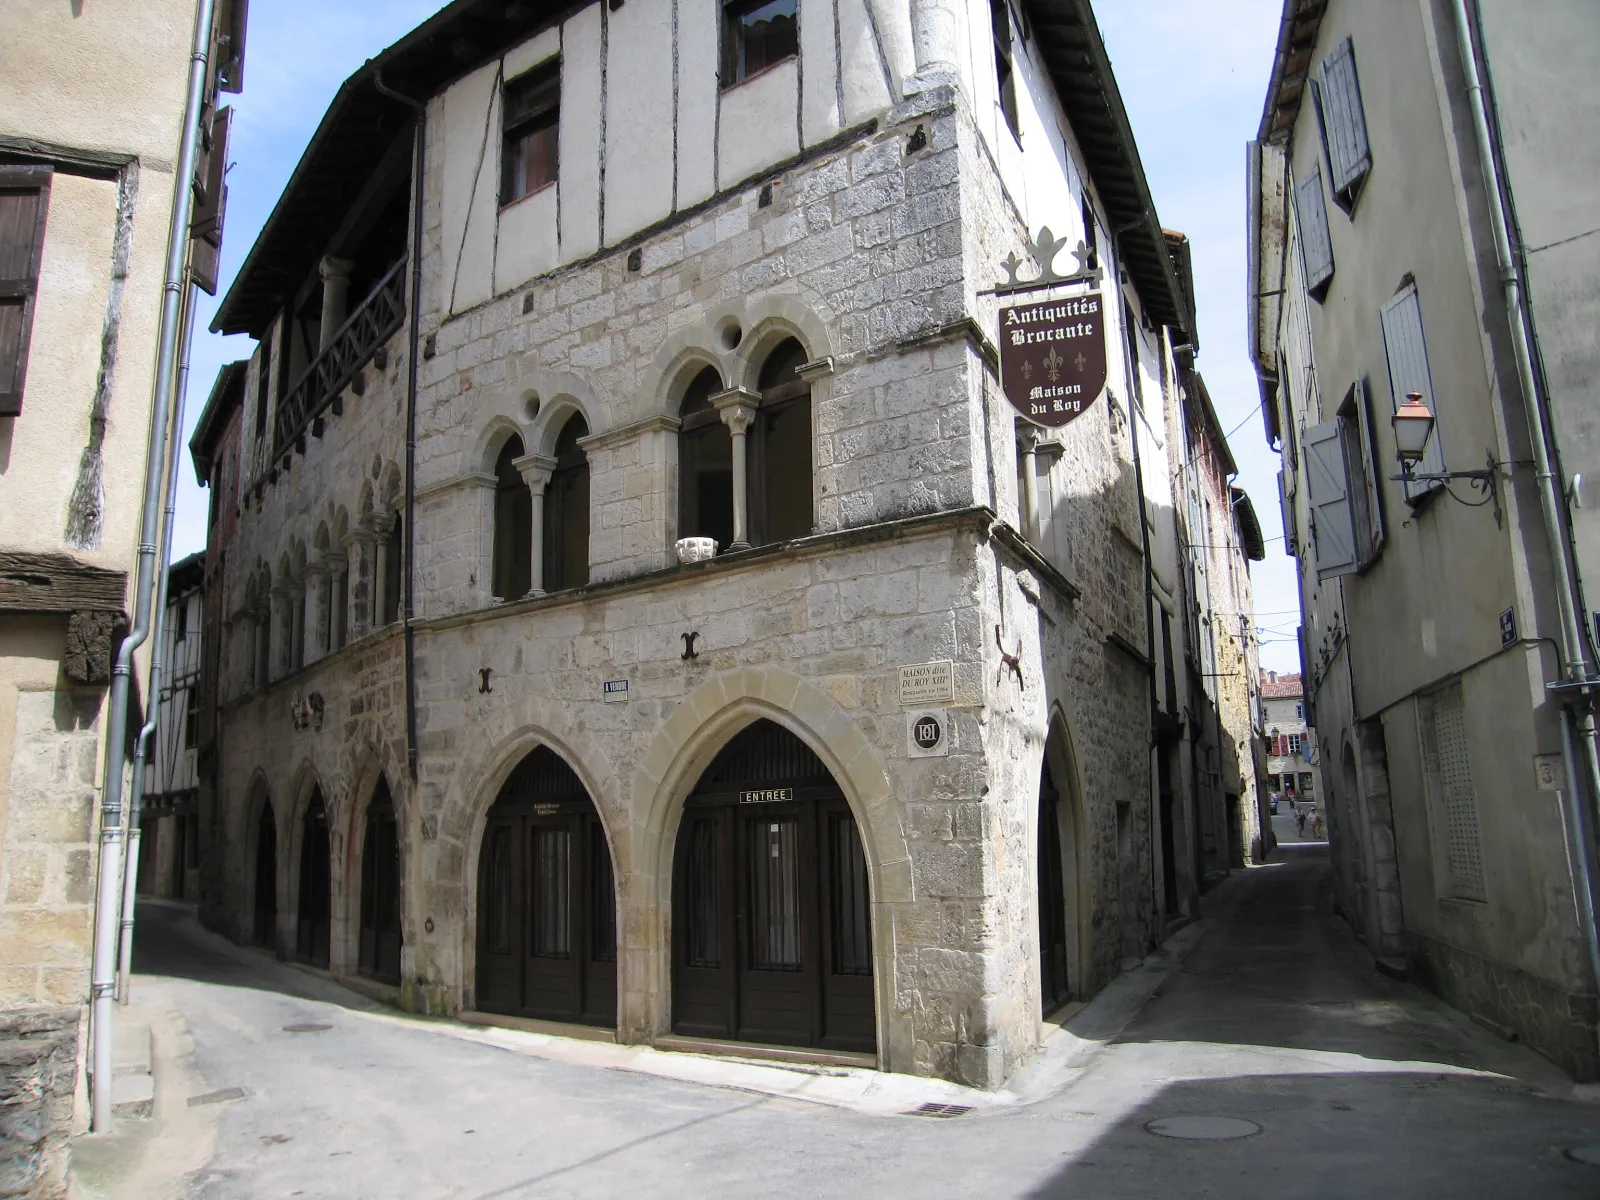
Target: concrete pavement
1266	1015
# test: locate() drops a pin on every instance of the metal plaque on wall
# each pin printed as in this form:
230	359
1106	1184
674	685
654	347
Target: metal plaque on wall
1053	357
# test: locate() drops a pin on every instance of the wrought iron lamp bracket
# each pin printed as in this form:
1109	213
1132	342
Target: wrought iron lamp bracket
1485	482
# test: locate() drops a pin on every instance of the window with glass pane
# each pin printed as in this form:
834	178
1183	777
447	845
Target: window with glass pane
852	919
775	895
755	35
602	899
705	947
497	898
550	852
531	119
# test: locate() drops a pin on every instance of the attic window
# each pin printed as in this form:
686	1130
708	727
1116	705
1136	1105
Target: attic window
1005	75
531	121
757	34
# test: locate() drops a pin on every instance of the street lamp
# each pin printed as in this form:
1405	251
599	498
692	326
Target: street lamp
1413	425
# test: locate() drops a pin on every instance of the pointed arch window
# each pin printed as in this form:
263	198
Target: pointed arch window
780	451
566	511
513	525
705	464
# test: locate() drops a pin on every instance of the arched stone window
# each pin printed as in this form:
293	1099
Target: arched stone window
566	511
705	464
513	525
780	450
391	571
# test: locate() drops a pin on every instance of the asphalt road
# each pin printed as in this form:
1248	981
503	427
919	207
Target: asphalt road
1359	1086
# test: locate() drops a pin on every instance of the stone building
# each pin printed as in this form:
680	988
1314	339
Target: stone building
553	294
1291	743
92	105
1422	226
169	843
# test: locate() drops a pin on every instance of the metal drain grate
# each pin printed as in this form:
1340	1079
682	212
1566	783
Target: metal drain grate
945	1111
307	1028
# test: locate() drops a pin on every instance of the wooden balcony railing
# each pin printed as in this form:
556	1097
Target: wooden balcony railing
365	330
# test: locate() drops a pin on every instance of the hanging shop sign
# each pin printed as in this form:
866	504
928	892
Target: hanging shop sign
1053	357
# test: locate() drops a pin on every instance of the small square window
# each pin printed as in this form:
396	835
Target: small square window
531	121
756	34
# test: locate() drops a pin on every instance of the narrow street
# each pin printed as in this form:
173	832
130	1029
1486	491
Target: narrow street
1273	1018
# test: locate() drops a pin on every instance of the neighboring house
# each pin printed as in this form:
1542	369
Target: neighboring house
1218	536
92	103
1421	225
1291	748
496	734
169	845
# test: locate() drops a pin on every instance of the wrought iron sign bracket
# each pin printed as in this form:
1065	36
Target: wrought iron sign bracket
1043	249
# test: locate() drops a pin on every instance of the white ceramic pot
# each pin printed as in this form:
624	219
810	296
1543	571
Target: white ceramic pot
696	549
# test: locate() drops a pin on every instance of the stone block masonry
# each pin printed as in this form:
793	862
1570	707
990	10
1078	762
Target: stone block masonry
38	1070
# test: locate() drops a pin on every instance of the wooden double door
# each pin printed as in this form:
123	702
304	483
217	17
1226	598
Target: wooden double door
547	926
771	914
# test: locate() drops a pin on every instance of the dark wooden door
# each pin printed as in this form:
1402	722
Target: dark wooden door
1052	901
773	934
547	940
315	915
266	907
379	952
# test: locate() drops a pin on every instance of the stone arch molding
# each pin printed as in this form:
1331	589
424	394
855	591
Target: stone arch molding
560	394
763	322
699	726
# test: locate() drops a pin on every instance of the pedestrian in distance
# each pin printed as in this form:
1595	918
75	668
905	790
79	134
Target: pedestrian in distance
1294	808
1300	820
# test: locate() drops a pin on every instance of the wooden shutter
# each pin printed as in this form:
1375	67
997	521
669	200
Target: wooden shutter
1407	353
24	200
1291	540
1316	244
211	201
1344	123
1328	492
227	45
1370	538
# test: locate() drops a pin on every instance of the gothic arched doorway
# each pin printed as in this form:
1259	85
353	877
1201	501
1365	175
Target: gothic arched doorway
265	925
772	921
1054	983
314	917
547	909
378	955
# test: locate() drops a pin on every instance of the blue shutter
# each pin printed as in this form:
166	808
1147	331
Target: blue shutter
1316	244
1333	541
1344	122
1371	538
1407	352
1291	538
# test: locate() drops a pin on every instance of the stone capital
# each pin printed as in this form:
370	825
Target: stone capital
335	268
737	407
356	537
536	470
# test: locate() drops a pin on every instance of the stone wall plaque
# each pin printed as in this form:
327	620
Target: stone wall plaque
1053	357
928	733
928	683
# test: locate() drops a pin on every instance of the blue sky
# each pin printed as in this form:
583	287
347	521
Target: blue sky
1193	78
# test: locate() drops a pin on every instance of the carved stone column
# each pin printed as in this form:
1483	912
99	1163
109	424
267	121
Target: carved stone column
282	630
297	624
935	41
335	274
737	407
1028	502
315	583
380	568
536	471
358	583
338	564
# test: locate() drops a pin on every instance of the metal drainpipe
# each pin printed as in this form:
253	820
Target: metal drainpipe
130	868
420	107
1549	495
159	451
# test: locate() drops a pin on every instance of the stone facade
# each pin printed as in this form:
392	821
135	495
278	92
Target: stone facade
39	1052
869	248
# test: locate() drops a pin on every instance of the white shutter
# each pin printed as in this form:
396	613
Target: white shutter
1372	536
1344	123
1328	492
1407	352
1316	243
1449	775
